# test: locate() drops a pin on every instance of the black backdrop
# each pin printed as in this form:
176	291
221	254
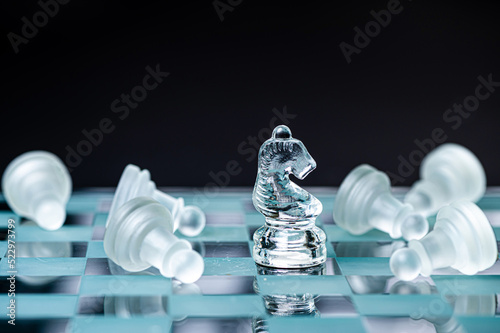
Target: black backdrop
233	65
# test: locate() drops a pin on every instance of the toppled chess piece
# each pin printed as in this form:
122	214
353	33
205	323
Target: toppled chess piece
140	234
462	238
289	238
37	186
364	202
449	173
190	220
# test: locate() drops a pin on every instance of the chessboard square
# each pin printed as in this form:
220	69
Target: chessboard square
5	216
397	324
3	249
226	285
43	307
230	266
98	233
493	216
335	306
496	230
125	285
91	305
317	325
3	204
401	305
79	219
255	220
367	249
36	325
104	205
480	324
96	250
78	205
336	234
225	218
366	284
326	218
97	266
33	233
213	325
43	285
364	266
222	234
303	284
493	270
332	267
224	306
51	249
226	250
100	219
248	206
105	324
220	204
47	266
467	285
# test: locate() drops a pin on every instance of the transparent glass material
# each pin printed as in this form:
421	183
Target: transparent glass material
449	173
139	306
134	182
289	304
140	234
289	238
462	238
42	249
37	185
364	201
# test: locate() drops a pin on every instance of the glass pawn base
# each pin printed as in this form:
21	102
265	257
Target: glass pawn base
289	247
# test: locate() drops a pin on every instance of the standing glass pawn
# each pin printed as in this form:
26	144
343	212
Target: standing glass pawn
289	238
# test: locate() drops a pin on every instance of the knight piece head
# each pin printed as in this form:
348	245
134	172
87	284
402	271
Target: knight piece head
284	154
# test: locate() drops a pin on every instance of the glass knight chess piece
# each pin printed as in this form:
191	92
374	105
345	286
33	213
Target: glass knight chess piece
289	238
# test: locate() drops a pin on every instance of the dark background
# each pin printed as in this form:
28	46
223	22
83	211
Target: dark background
227	76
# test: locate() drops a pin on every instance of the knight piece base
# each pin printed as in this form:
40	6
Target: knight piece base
289	247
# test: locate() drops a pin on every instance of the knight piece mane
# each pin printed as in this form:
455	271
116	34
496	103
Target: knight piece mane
275	196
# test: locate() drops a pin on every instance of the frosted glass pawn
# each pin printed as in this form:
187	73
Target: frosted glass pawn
190	220
37	185
449	173
140	235
462	239
364	202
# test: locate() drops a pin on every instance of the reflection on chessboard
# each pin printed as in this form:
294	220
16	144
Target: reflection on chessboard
66	283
